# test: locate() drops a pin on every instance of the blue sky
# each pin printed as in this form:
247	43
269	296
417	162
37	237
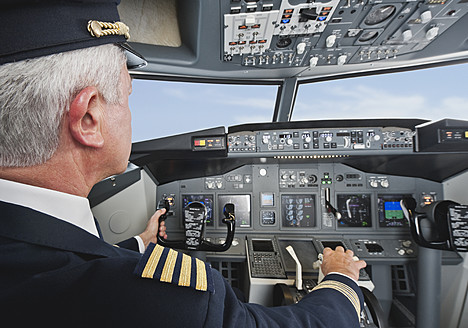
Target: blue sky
165	108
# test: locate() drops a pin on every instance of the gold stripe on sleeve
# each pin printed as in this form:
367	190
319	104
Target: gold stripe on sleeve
185	271
168	270
201	276
152	263
345	290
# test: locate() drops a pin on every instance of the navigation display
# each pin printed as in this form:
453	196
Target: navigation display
298	211
241	208
390	211
355	210
206	200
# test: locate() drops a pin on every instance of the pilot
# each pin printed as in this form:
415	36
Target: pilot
64	126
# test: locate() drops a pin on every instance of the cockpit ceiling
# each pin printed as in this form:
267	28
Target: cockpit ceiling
278	39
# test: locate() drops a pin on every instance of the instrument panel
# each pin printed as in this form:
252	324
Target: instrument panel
325	201
339	179
313	141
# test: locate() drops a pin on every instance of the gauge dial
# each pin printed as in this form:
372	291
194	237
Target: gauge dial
355	210
298	210
368	35
380	13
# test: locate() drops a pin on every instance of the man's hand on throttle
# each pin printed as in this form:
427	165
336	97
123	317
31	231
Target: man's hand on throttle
341	262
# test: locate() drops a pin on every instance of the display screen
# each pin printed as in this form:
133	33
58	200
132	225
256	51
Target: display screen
241	208
390	211
267	199
262	246
298	211
355	210
333	244
206	200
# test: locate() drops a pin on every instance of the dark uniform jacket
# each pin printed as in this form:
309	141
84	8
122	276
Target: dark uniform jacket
55	274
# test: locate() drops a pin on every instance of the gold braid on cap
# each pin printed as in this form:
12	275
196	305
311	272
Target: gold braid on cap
98	29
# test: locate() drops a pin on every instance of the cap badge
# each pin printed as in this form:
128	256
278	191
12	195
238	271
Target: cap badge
98	29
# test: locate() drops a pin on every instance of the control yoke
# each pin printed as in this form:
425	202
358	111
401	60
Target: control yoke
194	224
441	225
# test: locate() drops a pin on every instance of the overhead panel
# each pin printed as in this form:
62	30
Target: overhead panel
284	33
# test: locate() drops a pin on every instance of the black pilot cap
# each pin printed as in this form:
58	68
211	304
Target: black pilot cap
38	28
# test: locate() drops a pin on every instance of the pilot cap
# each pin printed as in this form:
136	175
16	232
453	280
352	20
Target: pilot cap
38	28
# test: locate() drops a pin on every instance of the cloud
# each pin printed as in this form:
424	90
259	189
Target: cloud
240	119
249	102
361	101
454	107
227	96
178	93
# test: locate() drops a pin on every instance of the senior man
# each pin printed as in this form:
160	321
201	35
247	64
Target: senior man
65	124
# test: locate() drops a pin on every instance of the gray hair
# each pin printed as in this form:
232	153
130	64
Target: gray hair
35	94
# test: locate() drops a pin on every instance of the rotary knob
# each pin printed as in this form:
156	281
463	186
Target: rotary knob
426	17
384	183
330	41
342	60
407	35
432	33
300	48
406	243
313	61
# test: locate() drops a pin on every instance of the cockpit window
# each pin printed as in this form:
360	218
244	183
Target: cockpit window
161	108
431	94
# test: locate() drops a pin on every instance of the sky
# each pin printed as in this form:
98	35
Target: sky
165	108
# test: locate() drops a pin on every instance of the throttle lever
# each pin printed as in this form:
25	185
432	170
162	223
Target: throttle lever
329	206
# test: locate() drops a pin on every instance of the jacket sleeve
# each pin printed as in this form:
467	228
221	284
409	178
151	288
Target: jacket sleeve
335	302
130	244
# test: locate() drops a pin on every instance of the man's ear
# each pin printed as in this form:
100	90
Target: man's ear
86	118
